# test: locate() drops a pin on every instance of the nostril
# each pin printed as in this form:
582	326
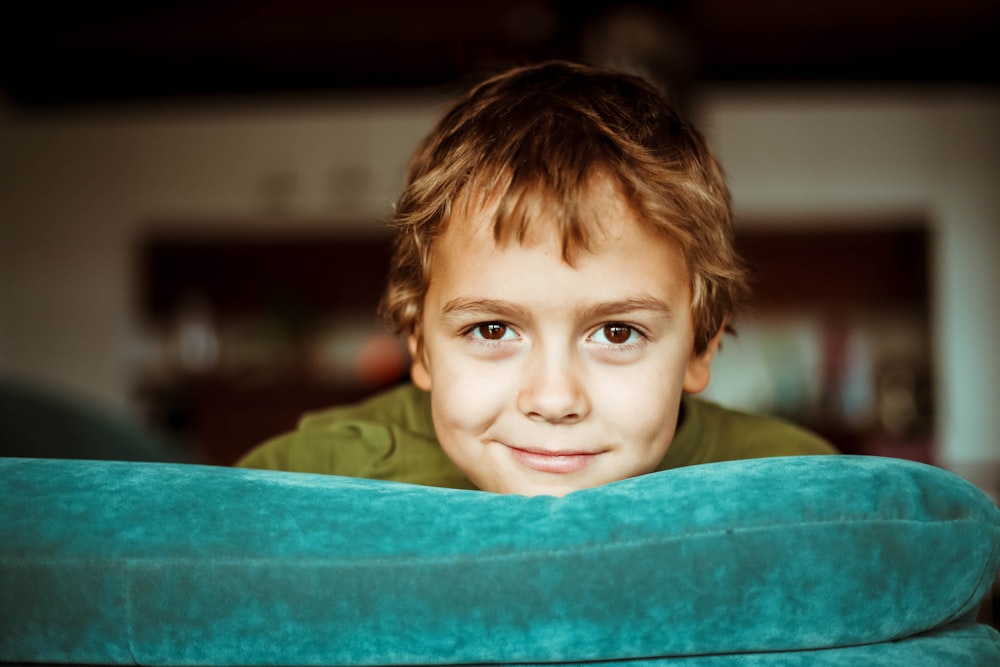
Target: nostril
554	395
569	418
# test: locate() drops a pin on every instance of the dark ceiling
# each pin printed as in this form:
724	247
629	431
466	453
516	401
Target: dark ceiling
54	53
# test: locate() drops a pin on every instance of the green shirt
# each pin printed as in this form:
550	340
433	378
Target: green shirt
391	437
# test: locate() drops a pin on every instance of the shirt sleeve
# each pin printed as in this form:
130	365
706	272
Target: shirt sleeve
379	440
711	433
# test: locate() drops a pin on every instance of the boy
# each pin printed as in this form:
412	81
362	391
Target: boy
564	272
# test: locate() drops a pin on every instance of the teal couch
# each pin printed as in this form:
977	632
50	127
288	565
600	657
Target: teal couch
772	562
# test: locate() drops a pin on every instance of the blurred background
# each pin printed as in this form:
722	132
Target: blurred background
193	196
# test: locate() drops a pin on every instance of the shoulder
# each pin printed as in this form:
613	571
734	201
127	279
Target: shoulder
405	407
389	436
710	432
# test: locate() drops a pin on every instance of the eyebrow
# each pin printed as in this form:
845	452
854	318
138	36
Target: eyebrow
611	309
494	308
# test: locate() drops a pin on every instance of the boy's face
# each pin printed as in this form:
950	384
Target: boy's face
547	378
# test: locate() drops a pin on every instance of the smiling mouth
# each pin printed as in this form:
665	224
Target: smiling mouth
552	462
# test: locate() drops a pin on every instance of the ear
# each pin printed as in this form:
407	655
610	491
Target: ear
418	369
698	372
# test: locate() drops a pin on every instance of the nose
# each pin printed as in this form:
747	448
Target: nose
553	390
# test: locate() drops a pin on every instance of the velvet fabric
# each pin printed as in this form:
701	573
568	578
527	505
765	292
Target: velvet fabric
786	561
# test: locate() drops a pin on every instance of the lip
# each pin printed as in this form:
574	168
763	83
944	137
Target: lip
559	462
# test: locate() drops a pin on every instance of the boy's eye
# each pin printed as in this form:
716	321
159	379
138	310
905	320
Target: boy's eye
492	331
616	334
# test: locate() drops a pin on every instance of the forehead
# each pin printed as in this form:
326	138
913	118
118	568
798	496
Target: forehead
620	253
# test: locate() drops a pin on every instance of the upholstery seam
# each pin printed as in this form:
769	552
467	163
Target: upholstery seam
129	615
518	554
979	580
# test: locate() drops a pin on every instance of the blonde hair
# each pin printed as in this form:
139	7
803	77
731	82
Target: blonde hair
533	139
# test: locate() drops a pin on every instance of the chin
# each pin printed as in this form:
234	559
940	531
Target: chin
558	492
557	489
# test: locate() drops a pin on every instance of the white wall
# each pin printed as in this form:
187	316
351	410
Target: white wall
76	191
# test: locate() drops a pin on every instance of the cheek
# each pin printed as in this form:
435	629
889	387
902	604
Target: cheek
643	406
466	398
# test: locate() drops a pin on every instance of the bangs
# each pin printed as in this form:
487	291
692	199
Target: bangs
536	166
531	204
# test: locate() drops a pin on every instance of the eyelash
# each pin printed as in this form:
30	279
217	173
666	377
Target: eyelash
474	332
475	328
634	331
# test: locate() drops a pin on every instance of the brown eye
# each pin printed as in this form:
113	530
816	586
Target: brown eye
617	333
492	331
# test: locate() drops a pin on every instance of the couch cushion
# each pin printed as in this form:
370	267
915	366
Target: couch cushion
111	562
